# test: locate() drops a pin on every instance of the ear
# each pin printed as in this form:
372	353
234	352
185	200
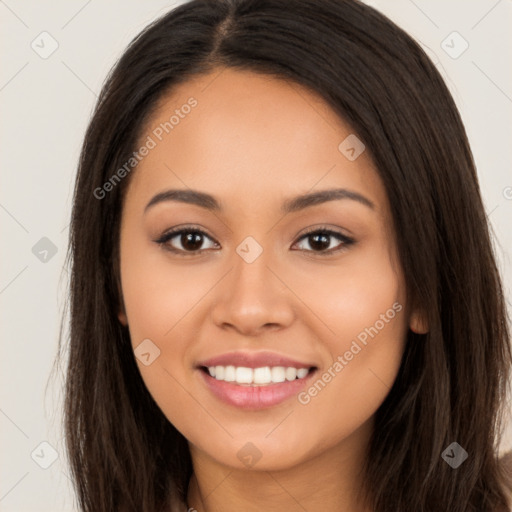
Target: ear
122	318
418	322
121	314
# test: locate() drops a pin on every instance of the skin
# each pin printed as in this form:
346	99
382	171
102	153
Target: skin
254	141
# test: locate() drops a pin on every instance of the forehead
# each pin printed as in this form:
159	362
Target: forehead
245	136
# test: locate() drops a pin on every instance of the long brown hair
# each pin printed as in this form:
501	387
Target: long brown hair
452	384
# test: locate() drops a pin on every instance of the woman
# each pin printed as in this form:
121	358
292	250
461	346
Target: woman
283	291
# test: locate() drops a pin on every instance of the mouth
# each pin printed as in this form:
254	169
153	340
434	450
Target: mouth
260	376
255	382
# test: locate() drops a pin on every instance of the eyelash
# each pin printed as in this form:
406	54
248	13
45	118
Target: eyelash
169	235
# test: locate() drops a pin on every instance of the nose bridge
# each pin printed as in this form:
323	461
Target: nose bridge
252	296
251	274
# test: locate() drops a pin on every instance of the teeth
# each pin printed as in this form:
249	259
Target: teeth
257	376
229	373
243	375
302	372
262	375
278	374
290	373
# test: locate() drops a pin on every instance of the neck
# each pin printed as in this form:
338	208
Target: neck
329	482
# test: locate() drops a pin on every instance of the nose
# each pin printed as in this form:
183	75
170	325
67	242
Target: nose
252	298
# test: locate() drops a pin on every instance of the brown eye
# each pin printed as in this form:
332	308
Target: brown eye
190	241
184	240
320	241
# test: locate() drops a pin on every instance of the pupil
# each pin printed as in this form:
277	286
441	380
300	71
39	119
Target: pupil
192	241
320	241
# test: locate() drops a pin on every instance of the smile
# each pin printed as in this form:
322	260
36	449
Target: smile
262	376
255	388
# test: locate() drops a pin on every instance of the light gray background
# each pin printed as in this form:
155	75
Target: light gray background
46	104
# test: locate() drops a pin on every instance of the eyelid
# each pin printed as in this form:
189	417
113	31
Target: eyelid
324	228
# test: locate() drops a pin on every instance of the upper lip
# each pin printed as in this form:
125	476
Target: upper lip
254	360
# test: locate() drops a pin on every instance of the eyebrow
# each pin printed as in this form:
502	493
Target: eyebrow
294	204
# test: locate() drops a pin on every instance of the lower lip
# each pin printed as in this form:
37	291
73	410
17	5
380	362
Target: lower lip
255	397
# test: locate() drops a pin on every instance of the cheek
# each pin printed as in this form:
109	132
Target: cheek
159	301
159	295
348	392
352	295
362	309
162	300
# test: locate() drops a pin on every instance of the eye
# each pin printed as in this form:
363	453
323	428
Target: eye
189	240
320	240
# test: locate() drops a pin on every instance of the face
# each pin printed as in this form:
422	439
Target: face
254	285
